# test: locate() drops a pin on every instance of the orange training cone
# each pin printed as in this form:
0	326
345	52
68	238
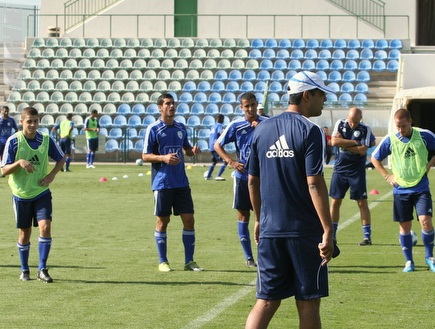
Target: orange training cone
374	192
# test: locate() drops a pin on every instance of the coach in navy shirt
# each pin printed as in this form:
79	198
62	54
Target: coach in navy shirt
293	227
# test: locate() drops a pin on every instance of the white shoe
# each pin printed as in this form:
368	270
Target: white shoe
92	166
219	178
88	166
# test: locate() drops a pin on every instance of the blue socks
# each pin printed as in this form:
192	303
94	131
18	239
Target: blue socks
222	169
335	228
428	240
44	246
189	245
67	162
406	243
210	170
367	231
161	244
23	251
243	230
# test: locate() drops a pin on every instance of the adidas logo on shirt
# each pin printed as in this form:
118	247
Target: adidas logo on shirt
409	153
280	149
34	160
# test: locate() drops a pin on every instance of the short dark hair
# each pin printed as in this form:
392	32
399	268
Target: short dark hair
162	97
70	115
220	118
295	99
29	111
94	112
403	114
6	107
247	96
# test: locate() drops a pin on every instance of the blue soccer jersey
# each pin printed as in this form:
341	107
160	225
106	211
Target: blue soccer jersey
240	132
162	139
383	150
346	161
7	128
215	132
287	148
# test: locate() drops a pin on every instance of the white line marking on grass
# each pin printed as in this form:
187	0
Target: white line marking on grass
221	307
234	298
357	215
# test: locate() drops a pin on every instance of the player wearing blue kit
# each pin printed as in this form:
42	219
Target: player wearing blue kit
64	130
7	127
92	129
293	227
215	132
240	132
352	138
165	142
408	150
25	160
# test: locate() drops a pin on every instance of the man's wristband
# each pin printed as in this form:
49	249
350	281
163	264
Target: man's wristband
386	177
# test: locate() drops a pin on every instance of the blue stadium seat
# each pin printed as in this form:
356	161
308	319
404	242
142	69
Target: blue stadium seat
336	64
283	54
200	97
105	121
212	109
294	64
186	97
340	44
246	86
148	119
324	54
189	86
392	65
215	97
218	86
152	109
308	65
299	43
322	64
362	87
271	43
111	145
368	43
220	75
345	99
249	75
208	121
334	86
353	44
334	76
331	99
381	44
352	54
266	64
134	121
181	119
232	86
263	75
326	44
290	74
297	54
269	53
229	97
284	43
365	64
394	54
278	75
363	76
260	86
395	44
138	109
204	86
379	66
197	109
204	133
338	54
380	54
366	53
226	109
275	87
360	99
257	43
193	121
349	76
255	53
350	65
120	121
310	54
124	109
312	43
347	87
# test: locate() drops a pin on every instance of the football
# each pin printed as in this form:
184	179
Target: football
139	162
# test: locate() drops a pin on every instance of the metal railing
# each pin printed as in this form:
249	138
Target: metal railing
371	11
162	25
86	7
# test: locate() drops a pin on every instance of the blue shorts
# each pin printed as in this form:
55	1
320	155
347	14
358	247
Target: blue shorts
241	195
215	158
178	199
31	212
92	144
65	145
341	182
404	205
291	267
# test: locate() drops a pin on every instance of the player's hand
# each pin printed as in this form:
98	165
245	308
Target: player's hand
27	166
171	159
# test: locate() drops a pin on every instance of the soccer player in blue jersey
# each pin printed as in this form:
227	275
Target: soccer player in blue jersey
240	132
216	131
92	129
64	130
293	227
352	138
408	149
25	160
165	142
7	127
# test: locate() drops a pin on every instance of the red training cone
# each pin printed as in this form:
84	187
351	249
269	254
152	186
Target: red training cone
374	192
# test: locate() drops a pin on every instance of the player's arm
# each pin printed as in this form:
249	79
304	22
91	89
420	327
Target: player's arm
319	195
254	195
191	150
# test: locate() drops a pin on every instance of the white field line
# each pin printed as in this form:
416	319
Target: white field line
234	298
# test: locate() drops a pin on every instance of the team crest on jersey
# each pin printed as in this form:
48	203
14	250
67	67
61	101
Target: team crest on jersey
357	133
180	134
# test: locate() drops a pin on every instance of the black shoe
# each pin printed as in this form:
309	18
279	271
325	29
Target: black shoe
336	251
44	276
251	263
25	275
366	242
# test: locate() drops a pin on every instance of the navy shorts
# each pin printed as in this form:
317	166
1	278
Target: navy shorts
404	205
177	199
241	195
31	212
291	267
356	182
65	145
93	144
